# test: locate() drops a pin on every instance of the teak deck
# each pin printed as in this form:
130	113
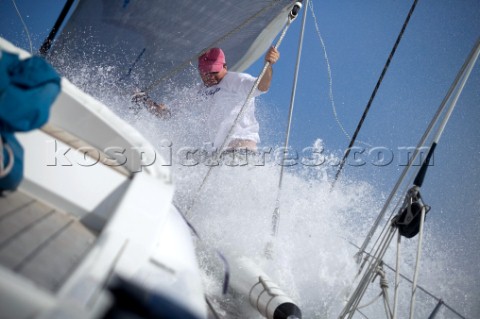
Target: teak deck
39	242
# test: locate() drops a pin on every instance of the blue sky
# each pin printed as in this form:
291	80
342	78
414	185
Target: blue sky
359	36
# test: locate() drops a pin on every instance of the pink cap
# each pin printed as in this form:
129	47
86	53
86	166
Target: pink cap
211	61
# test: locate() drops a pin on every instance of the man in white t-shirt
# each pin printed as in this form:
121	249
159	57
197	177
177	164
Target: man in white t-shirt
226	93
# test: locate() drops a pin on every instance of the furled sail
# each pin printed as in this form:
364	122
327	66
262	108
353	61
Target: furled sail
147	43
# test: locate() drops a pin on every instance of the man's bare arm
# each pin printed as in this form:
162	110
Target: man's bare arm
272	57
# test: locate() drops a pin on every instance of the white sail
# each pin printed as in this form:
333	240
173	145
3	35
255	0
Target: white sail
147	45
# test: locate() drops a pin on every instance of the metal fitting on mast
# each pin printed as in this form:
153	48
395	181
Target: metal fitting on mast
294	12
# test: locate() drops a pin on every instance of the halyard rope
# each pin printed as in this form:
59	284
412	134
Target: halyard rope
330	77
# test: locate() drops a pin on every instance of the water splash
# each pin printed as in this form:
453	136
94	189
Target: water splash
313	258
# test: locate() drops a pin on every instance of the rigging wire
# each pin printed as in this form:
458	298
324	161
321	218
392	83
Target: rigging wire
452	97
371	302
24	27
364	315
368	276
458	84
276	211
397	276
384	293
47	43
374	93
386	227
424	290
436	309
417	263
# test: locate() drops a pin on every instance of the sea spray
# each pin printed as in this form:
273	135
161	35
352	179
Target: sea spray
313	261
232	212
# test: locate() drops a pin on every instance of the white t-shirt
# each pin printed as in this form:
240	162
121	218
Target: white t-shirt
225	101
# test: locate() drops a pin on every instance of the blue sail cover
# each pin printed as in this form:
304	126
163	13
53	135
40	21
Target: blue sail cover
27	90
147	44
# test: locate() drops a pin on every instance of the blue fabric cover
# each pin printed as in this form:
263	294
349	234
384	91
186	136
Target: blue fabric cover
27	90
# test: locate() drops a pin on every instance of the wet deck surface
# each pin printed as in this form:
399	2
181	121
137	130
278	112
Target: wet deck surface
38	242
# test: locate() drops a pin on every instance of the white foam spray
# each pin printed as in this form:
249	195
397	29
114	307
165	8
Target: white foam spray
313	259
